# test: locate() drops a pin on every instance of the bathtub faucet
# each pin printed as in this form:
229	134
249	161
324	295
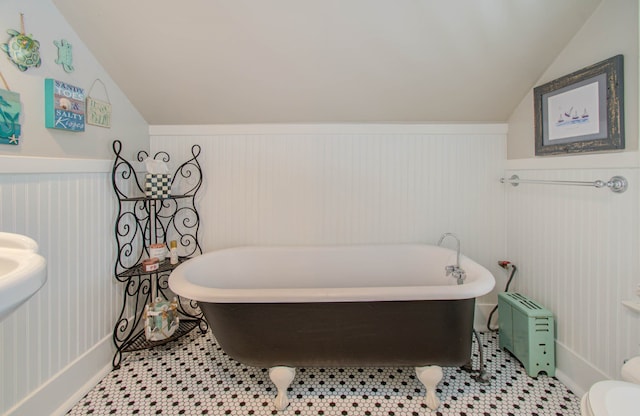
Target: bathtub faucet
454	270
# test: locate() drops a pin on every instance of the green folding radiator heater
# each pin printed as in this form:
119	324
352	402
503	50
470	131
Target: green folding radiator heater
527	331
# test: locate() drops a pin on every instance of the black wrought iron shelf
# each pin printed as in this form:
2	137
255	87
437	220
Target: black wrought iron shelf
147	198
143	220
138	341
165	266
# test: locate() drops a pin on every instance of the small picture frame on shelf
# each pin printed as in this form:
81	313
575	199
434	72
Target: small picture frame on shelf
581	112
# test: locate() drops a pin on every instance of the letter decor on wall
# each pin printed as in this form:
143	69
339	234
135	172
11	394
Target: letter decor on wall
63	106
98	111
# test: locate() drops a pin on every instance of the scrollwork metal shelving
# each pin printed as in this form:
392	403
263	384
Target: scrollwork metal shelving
140	222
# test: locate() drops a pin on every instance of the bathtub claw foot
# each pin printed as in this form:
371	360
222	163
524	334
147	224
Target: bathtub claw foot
430	376
282	377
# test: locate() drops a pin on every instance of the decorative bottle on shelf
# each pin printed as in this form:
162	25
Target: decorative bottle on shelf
174	252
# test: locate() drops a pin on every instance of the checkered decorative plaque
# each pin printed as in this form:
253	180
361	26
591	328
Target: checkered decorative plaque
157	185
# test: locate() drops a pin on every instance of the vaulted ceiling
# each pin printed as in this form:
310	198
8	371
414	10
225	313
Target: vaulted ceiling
298	61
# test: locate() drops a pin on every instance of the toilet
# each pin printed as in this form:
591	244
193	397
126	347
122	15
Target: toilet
614	397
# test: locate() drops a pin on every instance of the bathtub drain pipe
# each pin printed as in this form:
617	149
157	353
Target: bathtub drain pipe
482	376
505	265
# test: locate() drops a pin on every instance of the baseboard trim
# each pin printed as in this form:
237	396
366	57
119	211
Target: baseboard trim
574	371
62	391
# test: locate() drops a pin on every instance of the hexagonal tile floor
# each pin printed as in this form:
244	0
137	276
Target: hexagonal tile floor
193	376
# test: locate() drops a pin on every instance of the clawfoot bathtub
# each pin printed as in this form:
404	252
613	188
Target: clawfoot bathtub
337	306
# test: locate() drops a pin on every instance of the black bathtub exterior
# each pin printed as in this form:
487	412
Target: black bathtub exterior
345	334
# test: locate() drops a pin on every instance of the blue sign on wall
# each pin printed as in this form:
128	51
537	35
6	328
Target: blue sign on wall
9	117
64	106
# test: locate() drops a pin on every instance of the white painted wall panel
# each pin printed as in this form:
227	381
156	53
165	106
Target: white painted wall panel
307	188
576	248
71	217
577	253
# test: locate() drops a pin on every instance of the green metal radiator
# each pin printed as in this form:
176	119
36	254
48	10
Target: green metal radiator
527	331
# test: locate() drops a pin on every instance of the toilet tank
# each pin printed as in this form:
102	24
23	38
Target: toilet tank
631	370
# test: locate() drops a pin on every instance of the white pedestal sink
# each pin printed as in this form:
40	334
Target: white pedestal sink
22	271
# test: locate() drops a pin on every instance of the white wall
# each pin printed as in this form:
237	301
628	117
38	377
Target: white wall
263	185
45	22
295	184
577	248
577	252
70	320
55	187
611	30
348	184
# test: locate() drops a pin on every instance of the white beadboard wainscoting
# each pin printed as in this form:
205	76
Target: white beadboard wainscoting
576	249
348	184
58	344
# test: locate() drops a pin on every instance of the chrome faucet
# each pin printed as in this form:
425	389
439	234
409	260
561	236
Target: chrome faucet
454	270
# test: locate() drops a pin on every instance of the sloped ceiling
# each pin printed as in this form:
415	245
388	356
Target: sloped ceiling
297	61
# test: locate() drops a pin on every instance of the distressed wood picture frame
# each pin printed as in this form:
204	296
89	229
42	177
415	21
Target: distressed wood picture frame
581	112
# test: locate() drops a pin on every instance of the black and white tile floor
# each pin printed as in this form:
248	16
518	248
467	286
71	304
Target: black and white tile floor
193	376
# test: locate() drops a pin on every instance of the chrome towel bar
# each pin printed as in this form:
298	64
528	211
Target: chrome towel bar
617	184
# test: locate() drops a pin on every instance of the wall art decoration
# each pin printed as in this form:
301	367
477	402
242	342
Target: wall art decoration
10	109
65	55
63	106
98	111
23	50
582	111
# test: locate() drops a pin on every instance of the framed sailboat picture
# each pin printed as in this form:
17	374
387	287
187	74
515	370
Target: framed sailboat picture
10	109
582	111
